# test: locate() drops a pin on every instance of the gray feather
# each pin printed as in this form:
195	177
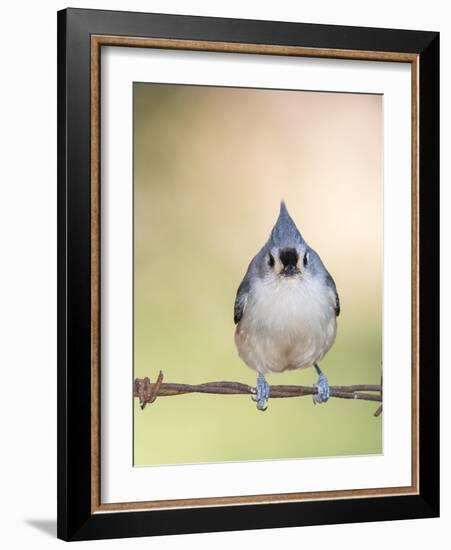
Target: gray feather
245	285
285	232
241	299
331	283
319	268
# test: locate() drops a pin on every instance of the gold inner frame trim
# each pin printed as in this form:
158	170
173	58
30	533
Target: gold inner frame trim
97	41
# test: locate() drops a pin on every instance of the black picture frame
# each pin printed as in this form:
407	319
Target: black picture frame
76	520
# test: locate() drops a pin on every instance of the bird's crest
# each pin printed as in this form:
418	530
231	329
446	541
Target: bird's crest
285	233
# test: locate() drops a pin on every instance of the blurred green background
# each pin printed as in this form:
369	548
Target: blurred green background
210	167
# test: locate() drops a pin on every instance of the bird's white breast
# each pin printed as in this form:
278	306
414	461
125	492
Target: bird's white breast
288	323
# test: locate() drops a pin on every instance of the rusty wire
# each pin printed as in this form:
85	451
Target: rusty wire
147	392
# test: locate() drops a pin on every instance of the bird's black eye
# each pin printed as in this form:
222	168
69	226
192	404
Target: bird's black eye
271	260
305	260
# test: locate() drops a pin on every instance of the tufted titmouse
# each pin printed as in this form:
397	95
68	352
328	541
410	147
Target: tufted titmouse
285	309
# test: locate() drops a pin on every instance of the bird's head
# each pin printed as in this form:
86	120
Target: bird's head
287	255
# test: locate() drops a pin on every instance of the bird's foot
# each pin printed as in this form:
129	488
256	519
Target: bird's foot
322	386
261	393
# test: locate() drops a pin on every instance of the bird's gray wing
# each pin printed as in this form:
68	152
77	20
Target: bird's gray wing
246	284
331	284
241	299
318	269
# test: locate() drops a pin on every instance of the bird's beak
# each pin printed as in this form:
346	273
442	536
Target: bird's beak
290	270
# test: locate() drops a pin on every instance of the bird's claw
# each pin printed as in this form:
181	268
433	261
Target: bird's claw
322	385
262	390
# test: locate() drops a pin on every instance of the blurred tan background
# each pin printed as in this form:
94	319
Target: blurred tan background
210	168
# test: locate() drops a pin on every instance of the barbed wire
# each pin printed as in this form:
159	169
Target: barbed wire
147	391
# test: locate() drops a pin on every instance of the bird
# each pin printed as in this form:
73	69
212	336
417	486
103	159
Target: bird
286	310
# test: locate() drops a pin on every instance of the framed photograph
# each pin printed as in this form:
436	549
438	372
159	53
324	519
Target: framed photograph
248	274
